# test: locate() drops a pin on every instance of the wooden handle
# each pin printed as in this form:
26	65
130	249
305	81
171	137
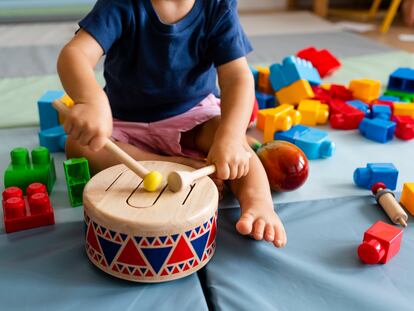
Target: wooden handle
202	172
111	147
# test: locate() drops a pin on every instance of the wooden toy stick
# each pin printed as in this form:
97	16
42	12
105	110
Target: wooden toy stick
386	199
179	180
152	180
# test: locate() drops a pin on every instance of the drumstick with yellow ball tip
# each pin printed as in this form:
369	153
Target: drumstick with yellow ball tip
152	180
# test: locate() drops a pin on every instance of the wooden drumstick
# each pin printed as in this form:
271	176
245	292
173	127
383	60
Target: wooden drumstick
386	199
179	180
152	180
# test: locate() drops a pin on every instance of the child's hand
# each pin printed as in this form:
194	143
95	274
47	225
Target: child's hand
230	155
90	123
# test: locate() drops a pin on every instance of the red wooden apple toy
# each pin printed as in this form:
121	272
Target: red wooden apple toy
285	164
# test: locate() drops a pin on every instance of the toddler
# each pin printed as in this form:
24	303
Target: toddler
160	99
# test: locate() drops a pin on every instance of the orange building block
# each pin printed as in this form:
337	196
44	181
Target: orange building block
263	83
407	197
295	92
69	103
313	112
282	118
404	109
365	89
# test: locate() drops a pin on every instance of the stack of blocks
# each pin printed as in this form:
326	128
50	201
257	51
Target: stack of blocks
323	60
77	175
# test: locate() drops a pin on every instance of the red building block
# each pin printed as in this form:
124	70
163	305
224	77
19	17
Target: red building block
381	242
341	92
322	60
405	127
321	94
32	211
344	116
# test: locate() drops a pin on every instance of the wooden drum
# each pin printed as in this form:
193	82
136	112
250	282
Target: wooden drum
149	236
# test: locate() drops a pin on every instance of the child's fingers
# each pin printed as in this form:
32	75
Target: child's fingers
240	170
223	170
85	138
97	143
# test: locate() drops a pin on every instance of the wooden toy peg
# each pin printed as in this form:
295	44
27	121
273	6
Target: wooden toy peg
179	180
152	180
386	199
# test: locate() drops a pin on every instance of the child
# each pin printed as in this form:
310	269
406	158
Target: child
159	103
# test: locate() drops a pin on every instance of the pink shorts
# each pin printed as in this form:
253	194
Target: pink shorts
163	137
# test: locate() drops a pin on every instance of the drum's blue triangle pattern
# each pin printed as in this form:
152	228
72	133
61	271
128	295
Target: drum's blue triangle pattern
94	225
191	262
187	233
181	265
109	249
137	239
120	267
199	244
197	230
131	269
205	225
150	239
143	270
174	237
162	239
156	256
112	233
124	236
170	268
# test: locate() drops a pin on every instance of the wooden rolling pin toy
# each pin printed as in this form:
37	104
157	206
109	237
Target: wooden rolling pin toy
152	180
386	199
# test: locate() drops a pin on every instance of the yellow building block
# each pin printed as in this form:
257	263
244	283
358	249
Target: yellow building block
69	103
313	112
365	89
404	109
281	119
407	197
263	82
326	86
294	93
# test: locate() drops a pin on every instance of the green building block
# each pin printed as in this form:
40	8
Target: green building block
77	175
22	171
405	97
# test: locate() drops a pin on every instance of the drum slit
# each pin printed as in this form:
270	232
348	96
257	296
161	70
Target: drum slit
189	192
114	181
155	201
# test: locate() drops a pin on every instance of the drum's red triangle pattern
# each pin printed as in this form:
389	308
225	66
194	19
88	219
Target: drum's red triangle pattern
108	236
201	230
205	257
103	263
114	268
176	270
118	239
149	273
181	252
157	243
165	272
144	242
186	267
169	241
92	240
137	273
125	271
193	235
130	255
212	237
195	263
99	231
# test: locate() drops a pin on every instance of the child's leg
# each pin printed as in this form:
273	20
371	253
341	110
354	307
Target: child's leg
103	159
258	217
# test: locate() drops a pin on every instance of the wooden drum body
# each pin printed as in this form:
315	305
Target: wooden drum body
149	236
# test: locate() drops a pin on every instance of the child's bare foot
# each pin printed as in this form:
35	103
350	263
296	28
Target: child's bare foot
259	220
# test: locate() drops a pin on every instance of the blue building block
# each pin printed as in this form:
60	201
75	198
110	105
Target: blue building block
255	73
381	112
402	80
265	100
378	130
53	139
389	98
366	177
313	142
360	105
291	70
48	115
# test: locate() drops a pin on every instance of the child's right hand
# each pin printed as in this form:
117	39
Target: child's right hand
90	124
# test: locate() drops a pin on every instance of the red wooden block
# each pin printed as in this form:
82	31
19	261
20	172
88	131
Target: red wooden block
322	60
321	94
405	127
21	213
337	91
381	242
344	116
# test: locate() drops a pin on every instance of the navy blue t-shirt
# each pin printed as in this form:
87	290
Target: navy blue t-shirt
154	70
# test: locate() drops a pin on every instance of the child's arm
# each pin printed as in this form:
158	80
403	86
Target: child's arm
230	150
90	120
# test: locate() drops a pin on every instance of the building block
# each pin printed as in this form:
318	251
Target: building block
77	175
69	103
404	96
341	92
381	242
280	118
313	142
402	80
295	92
263	82
381	112
265	100
22	171
32	211
378	130
405	127
386	173
291	70
344	116
253	116
389	98
48	115
365	89
313	112
404	109
360	105
53	138
323	60
321	94
407	197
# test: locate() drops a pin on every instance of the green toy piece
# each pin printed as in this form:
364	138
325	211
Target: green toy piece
77	175
22	171
404	96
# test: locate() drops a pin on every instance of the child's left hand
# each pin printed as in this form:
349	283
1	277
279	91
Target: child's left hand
231	156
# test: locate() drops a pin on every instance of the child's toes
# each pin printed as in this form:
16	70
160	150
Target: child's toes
258	229
280	236
245	223
269	234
